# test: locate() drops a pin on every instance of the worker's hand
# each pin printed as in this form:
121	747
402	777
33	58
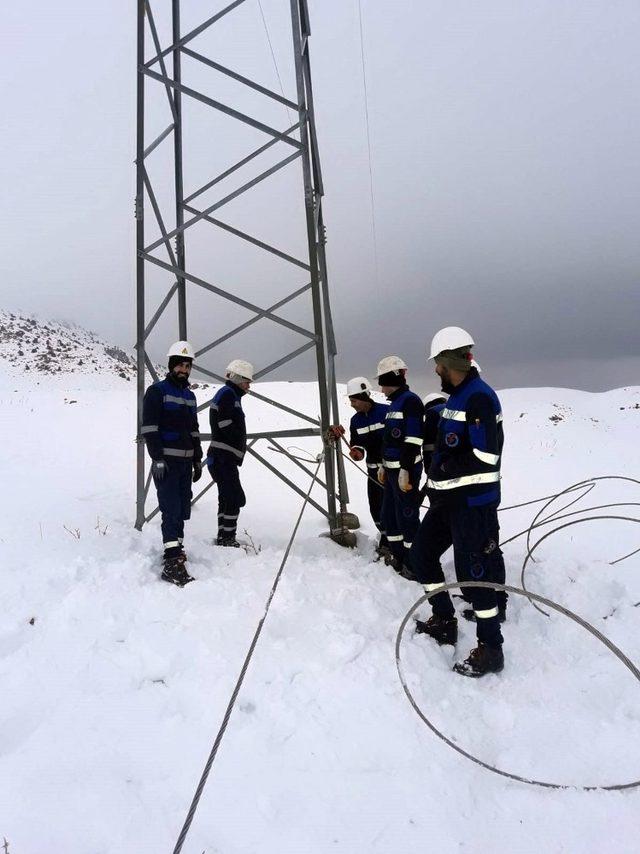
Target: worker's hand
336	432
197	470
158	469
382	475
356	454
404	481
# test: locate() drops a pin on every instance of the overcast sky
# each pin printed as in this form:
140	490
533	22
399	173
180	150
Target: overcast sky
505	155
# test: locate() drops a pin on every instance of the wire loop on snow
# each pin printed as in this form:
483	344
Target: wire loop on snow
554	606
587	485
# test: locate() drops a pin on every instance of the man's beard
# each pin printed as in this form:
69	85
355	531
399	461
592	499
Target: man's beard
181	379
446	385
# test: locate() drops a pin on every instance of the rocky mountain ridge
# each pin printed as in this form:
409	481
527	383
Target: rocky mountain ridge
52	347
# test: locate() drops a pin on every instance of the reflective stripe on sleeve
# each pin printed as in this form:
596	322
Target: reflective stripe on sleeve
224	447
407	545
395	415
195	434
485	615
428	447
171	398
172	544
413	440
225	422
486	457
150	428
395	464
176	452
466	480
460	415
370	428
395	538
454	414
429	588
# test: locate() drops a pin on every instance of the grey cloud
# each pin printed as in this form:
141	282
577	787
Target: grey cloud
505	173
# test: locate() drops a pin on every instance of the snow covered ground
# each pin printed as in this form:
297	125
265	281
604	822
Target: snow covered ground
114	684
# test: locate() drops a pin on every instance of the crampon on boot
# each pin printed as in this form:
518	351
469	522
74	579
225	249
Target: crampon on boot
482	660
443	631
175	572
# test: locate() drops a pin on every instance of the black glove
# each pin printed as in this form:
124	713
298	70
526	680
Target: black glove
197	470
158	469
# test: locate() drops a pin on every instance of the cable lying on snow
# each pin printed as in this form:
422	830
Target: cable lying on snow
584	487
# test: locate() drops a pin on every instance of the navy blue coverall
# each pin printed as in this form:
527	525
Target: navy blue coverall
225	455
402	442
170	430
366	431
464	492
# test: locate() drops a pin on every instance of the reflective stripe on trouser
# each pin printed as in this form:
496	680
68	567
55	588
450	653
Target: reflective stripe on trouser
231	497
174	498
374	494
401	512
474	534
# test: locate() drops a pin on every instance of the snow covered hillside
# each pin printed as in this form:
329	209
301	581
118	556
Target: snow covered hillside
31	345
114	684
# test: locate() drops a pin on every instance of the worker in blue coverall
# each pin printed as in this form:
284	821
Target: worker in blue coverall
401	468
463	485
228	447
170	430
366	430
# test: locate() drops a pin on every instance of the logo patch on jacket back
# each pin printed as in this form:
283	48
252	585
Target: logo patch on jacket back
452	439
396	432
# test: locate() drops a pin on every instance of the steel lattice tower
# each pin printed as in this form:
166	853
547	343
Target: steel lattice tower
174	223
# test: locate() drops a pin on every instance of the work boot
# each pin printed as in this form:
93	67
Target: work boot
443	631
406	572
382	549
470	614
175	572
482	660
228	542
401	568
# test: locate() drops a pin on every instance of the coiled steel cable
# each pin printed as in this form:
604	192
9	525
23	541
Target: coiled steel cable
554	606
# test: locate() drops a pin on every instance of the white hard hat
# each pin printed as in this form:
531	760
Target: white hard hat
358	385
450	338
181	348
241	368
435	395
390	363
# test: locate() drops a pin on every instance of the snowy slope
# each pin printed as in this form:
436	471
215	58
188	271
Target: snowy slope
114	684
